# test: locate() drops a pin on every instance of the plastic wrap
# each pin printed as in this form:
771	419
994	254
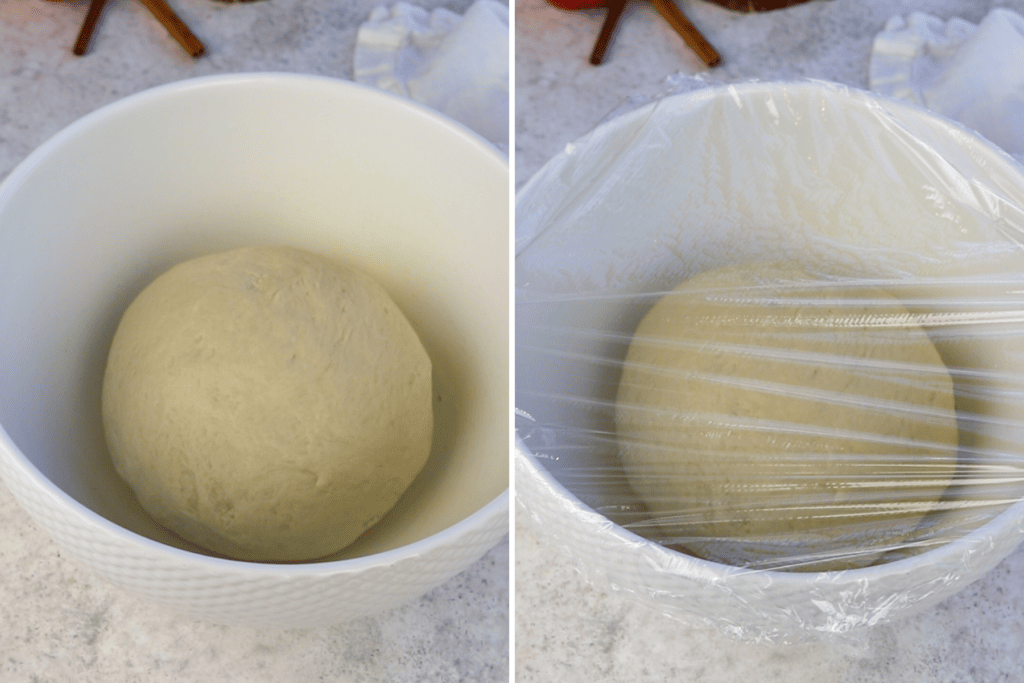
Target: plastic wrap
770	357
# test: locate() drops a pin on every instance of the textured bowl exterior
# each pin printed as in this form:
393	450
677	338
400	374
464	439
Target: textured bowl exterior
562	209
248	594
458	512
755	606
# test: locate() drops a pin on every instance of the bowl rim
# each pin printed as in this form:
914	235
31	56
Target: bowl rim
496	507
752	88
186	86
685	565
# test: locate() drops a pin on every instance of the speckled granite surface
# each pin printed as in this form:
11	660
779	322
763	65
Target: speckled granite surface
570	631
59	622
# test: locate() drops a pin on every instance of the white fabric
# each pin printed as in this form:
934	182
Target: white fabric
456	65
971	73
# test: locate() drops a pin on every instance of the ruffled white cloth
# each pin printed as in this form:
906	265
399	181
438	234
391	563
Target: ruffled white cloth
971	73
458	65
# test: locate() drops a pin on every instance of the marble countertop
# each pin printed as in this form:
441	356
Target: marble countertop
58	621
570	631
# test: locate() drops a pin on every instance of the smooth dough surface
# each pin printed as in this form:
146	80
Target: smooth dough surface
267	403
768	419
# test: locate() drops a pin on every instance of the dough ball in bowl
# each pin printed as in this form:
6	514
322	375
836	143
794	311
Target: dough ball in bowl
267	403
769	419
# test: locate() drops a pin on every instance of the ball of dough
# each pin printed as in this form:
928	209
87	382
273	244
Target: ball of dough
267	403
770	420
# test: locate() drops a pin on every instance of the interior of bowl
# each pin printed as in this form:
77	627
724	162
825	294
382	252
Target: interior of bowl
216	163
838	181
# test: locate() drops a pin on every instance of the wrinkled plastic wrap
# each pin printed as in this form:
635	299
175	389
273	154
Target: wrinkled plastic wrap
770	358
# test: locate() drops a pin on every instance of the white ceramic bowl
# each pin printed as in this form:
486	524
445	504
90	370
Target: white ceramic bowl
832	178
214	163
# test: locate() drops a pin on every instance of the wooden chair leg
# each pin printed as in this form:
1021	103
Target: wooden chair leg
88	26
175	26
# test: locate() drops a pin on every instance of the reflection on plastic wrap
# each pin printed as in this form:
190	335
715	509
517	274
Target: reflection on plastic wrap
770	358
793	424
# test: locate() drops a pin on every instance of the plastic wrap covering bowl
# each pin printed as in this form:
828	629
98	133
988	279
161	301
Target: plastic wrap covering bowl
858	190
211	164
